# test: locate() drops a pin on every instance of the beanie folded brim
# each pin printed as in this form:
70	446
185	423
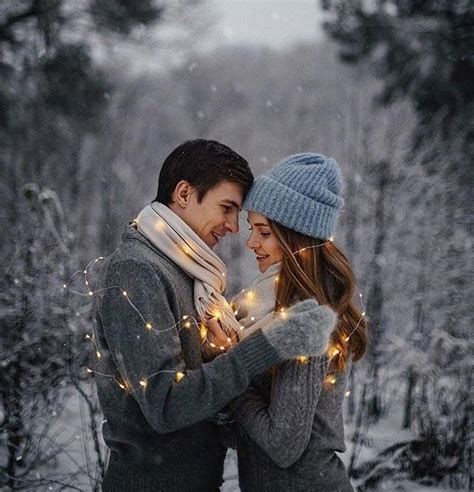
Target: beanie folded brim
291	209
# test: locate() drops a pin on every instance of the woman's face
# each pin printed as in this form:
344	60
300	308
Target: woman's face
263	242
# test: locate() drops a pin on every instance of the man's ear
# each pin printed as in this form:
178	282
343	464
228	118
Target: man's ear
182	193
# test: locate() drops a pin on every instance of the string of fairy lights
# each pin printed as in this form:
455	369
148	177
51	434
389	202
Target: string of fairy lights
331	351
189	321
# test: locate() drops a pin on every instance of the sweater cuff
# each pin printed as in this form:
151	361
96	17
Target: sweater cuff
256	354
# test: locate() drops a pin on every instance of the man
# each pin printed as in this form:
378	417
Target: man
157	395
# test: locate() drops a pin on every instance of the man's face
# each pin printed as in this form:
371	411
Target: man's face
217	214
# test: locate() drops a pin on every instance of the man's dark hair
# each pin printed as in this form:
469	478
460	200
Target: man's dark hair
203	164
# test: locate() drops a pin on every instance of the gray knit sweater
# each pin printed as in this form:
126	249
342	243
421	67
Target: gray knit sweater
290	424
161	434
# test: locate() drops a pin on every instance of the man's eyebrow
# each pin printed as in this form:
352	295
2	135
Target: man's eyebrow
231	202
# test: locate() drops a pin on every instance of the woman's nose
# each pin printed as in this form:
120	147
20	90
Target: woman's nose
251	242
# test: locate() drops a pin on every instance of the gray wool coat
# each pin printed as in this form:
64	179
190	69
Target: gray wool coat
290	423
160	432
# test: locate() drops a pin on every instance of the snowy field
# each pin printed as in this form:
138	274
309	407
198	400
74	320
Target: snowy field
77	457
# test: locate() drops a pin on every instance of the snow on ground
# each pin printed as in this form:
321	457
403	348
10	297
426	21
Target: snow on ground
70	431
231	479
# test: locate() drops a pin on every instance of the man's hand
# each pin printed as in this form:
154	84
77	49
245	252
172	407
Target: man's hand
217	341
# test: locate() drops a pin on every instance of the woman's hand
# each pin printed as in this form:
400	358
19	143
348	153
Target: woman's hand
217	341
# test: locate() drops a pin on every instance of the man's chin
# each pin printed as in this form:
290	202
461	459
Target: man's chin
212	243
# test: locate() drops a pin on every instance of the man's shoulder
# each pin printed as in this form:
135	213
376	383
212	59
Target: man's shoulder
143	273
137	256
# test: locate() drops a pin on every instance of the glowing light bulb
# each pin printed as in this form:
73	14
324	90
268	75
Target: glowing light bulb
187	324
143	383
125	293
99	355
347	393
213	345
64	286
185	317
250	296
121	385
179	376
333	351
88	370
91	293
302	359
148	326
362	313
187	249
252	318
203	331
331	379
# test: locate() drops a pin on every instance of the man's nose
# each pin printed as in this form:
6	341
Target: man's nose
233	224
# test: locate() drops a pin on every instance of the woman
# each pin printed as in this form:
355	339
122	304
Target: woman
291	417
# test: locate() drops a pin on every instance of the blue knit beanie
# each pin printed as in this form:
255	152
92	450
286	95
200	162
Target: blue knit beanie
302	192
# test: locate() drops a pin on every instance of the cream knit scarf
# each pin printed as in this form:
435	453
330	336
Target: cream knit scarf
173	237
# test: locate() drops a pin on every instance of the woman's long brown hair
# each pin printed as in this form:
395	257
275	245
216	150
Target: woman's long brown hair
314	268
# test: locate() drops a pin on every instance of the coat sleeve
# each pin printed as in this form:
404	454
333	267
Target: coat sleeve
282	426
147	360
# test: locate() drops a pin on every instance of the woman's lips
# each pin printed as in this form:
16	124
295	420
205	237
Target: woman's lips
262	257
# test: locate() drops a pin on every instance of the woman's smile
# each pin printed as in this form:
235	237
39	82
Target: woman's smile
263	242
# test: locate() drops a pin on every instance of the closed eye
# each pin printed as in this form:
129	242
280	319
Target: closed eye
263	234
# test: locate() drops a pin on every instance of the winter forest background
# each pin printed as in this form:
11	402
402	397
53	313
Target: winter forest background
95	93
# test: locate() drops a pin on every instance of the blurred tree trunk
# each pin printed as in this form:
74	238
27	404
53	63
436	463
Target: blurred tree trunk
15	373
408	405
376	298
412	375
360	422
